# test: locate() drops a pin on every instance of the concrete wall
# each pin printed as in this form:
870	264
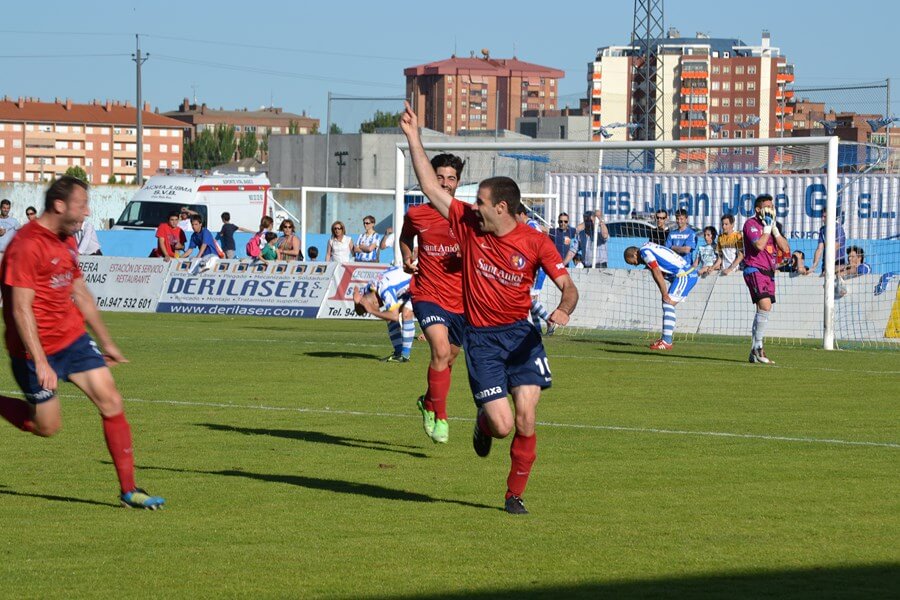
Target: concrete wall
107	201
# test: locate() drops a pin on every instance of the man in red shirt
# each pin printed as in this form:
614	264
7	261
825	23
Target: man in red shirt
504	353
437	293
45	306
170	238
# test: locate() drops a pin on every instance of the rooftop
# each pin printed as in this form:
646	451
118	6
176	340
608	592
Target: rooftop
109	112
485	65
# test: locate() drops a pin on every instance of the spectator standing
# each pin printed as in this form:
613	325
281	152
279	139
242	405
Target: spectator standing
170	238
729	247
840	253
366	246
289	243
184	223
226	235
563	236
706	254
87	240
682	241
31	213
659	233
584	241
8	225
340	246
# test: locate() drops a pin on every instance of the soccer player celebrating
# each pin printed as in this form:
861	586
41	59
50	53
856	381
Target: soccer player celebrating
762	240
387	297
45	306
504	353
539	312
436	293
674	277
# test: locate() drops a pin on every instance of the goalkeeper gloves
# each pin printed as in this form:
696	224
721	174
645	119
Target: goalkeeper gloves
768	219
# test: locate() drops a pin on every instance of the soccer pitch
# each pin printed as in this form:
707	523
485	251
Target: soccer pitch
294	466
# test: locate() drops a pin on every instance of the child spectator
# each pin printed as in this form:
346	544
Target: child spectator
313	253
202	239
226	235
269	251
706	254
856	264
730	247
797	264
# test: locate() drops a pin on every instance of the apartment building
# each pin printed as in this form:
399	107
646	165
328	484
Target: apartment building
41	140
462	95
707	88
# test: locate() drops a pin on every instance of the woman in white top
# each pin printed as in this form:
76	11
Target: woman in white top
340	245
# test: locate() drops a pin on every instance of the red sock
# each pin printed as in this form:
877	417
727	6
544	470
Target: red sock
16	412
118	440
438	388
522	454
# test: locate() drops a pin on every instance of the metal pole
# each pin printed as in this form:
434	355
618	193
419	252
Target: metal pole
303	224
399	189
831	208
140	113
326	183
887	129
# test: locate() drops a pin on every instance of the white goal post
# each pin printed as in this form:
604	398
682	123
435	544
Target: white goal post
829	145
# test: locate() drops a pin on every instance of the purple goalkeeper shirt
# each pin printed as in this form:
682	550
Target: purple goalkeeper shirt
760	259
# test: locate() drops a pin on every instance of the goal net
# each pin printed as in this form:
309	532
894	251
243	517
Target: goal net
617	189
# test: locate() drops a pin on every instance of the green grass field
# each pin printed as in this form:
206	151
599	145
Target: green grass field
295	466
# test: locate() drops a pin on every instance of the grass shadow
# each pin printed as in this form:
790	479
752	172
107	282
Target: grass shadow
54	498
816	583
317	437
338	486
320	354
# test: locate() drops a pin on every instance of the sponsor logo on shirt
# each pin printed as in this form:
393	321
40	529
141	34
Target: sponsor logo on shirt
440	249
61	280
489	271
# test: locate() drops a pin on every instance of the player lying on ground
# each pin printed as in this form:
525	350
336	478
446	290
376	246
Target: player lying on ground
504	353
674	277
387	297
436	288
45	306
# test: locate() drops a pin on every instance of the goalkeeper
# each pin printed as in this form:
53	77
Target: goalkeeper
762	240
674	277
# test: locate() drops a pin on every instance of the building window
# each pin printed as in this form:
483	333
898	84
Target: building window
146	147
17	160
16	127
174	164
276	130
130	162
725	118
716	86
104	162
175	148
250	128
751	101
739	86
715	102
714	118
17	176
104	130
751	70
89	145
737	135
62	129
751	86
131	147
117	163
739	102
17	143
715	69
726	86
89	130
130	131
237	128
726	101
163	148
104	146
726	68
739	70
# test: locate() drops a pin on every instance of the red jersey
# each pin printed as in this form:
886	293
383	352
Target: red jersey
171	236
40	260
439	279
498	271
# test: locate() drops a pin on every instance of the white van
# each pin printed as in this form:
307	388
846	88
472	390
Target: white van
245	196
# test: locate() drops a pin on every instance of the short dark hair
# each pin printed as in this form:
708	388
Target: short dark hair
173	213
32	209
503	189
61	189
226	216
6	202
197	218
312	252
448	160
762	198
663	211
858	250
728	217
522	209
681	212
271	235
712	230
800	252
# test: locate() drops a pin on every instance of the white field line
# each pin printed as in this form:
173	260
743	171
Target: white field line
660	358
646	430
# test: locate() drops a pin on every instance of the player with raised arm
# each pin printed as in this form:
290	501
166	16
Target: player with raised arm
762	240
674	277
504	353
45	306
436	269
387	297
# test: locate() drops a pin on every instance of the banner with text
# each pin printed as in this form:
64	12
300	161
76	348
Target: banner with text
124	284
233	287
347	277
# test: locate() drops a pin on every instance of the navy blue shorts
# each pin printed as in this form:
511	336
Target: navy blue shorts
80	356
504	357
429	313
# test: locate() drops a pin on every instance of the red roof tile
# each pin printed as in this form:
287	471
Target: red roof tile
490	66
56	112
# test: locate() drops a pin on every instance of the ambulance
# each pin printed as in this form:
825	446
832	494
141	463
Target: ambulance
245	195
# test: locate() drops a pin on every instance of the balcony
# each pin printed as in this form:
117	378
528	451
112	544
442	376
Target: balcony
597	76
685	155
785	126
693	124
595	93
694	107
695	91
595	108
694	75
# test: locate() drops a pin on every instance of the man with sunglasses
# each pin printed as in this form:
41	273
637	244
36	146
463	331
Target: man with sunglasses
563	236
660	232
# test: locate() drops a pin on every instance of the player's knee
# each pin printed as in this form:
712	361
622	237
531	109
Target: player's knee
47	427
441	356
525	424
111	404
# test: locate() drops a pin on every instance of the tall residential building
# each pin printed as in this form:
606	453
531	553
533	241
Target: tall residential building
40	140
461	95
708	88
262	122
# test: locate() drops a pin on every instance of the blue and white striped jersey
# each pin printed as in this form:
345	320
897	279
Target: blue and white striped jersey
669	262
534	224
368	240
391	287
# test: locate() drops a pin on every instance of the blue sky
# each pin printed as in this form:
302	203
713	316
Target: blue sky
235	54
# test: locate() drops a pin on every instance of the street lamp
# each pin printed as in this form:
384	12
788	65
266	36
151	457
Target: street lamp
341	163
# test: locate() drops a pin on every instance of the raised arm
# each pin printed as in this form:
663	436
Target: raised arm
428	180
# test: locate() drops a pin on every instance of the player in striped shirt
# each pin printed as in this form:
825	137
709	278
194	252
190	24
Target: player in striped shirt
674	277
387	297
